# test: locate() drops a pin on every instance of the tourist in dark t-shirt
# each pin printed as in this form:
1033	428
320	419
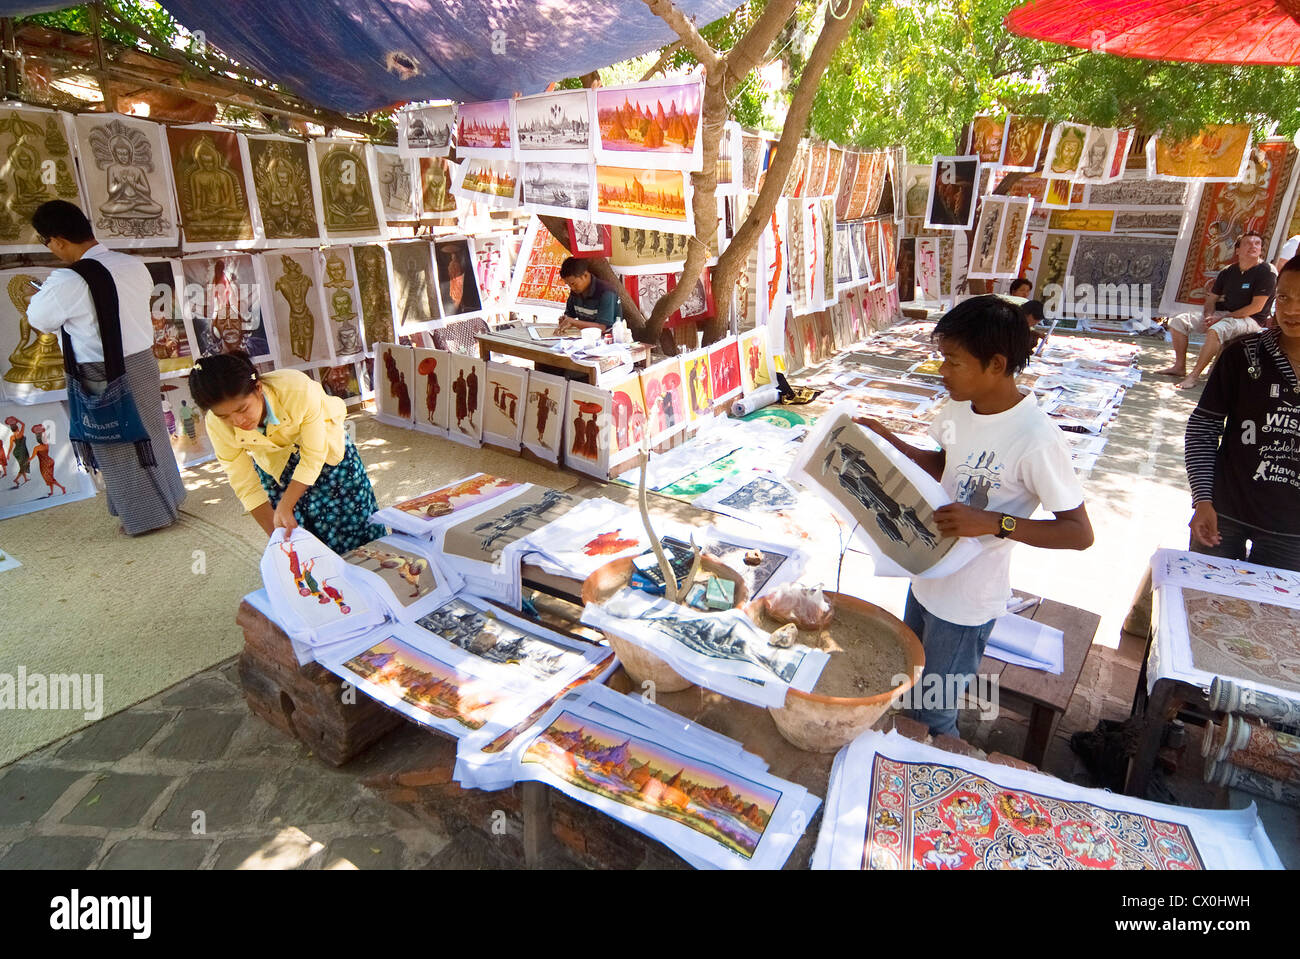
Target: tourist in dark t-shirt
1243	444
1237	303
592	303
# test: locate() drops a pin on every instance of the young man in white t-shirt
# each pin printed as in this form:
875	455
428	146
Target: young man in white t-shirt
1001	457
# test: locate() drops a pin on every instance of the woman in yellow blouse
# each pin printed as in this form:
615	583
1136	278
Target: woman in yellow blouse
281	441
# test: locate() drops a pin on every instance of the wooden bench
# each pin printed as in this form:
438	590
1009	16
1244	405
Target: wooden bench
1036	694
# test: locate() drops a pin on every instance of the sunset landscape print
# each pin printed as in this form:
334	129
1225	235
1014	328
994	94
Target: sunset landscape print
727	809
425	683
658	194
653	120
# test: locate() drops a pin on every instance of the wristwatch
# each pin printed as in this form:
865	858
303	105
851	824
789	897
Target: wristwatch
1006	526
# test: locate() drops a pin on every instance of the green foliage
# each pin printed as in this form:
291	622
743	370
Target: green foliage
916	72
142	13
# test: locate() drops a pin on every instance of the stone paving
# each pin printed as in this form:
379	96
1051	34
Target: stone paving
191	780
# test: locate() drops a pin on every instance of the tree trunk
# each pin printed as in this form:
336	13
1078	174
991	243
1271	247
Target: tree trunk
746	236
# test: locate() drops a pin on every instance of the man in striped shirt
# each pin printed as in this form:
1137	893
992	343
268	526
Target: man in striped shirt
1243	443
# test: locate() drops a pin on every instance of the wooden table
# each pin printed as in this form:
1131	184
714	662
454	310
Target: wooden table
1036	693
547	358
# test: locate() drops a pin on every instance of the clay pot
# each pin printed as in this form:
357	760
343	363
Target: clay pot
823	724
641	665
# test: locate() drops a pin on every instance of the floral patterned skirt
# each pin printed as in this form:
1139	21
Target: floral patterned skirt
337	508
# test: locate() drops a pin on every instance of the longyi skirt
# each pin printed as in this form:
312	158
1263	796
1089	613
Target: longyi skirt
337	508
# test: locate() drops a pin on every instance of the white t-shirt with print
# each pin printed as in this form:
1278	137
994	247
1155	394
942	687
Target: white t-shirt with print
1007	462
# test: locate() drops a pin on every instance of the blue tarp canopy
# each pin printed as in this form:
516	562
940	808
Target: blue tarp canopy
356	56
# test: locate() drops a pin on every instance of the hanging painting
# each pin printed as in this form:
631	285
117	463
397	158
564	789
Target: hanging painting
588	239
650	125
587	432
1227	210
1022	143
503	405
645	198
1011	238
560	189
128	181
415	303
536	283
554	127
635	250
38	166
543	425
426	131
1065	150
492	266
458	294
171	340
294	287
1098	155
339	288
349	190
224	306
491	182
213	187
374	284
952	193
431	396
1133	269
466	378
399	182
987	138
436	181
37	465
1217	154
288	196
663	392
483	130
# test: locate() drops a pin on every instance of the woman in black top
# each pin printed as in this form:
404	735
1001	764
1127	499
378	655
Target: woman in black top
1243	443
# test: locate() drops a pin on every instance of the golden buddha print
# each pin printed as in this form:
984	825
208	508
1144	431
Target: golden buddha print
35	166
210	185
345	190
283	185
37	360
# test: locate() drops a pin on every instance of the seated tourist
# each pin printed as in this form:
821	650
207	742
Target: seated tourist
1239	302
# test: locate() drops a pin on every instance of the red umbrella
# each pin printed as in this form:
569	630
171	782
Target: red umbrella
585	407
427	366
1260	32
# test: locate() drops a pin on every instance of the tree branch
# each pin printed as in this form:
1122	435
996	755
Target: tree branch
753	46
834	30
664	56
667	11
